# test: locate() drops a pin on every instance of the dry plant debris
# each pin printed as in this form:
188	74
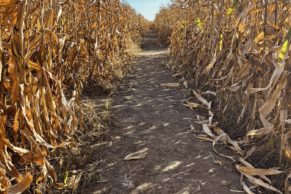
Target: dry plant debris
170	85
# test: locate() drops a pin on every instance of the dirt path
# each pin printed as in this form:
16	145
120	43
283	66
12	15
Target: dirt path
151	118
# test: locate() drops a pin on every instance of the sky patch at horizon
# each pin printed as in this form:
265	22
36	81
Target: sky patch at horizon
147	8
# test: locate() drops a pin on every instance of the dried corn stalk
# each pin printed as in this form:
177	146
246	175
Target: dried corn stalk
48	50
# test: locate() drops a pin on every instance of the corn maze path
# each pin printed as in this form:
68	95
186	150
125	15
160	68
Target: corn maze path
150	119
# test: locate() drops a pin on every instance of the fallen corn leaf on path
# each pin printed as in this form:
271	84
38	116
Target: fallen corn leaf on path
152	147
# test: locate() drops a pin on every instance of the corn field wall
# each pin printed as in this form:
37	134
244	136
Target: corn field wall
48	50
240	50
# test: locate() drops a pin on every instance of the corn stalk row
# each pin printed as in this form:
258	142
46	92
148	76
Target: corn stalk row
239	51
48	50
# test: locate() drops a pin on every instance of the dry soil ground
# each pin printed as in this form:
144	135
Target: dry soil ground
151	119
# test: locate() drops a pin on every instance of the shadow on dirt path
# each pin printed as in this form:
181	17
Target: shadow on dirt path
151	120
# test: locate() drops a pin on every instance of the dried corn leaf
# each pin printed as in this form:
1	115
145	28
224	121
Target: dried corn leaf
203	100
21	186
191	105
257	171
141	154
170	85
261	183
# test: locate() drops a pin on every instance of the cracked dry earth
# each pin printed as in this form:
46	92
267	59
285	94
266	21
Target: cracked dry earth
151	119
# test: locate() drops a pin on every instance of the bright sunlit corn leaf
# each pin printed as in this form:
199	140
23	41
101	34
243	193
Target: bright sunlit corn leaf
230	11
220	42
199	23
283	50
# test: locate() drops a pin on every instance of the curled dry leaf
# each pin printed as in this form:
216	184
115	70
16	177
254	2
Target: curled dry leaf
203	100
191	105
257	171
261	183
21	186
